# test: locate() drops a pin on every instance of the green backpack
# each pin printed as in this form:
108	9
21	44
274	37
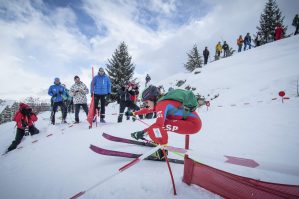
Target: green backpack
188	99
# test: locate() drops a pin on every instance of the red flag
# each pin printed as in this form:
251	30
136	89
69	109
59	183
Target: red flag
91	107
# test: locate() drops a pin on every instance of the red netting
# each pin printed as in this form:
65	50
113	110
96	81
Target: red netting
229	185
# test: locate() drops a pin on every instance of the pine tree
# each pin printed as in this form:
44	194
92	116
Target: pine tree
120	69
194	59
269	19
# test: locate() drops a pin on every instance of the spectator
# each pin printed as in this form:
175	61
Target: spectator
296	24
56	91
225	48
134	92
24	118
278	32
68	100
258	39
206	55
247	41
240	42
147	79
218	49
101	87
79	91
125	101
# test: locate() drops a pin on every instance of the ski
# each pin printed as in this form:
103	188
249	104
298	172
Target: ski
128	141
109	152
181	151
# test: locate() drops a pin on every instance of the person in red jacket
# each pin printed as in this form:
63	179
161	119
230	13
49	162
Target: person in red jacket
24	119
169	118
278	32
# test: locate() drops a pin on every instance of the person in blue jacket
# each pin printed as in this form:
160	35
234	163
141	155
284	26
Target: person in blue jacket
57	91
101	88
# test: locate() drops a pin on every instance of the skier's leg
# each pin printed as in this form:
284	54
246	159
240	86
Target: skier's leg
189	126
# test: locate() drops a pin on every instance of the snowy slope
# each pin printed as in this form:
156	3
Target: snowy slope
243	121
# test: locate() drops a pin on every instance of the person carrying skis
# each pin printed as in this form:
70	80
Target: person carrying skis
79	91
206	54
125	101
147	79
101	87
240	42
296	24
172	115
56	91
247	41
24	119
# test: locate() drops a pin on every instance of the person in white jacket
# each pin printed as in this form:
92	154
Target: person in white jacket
79	91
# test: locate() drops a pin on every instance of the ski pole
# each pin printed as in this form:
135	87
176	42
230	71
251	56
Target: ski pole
170	171
123	168
165	155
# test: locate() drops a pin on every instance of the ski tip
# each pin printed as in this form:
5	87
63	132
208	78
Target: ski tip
78	195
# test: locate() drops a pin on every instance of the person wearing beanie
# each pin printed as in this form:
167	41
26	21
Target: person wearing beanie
79	91
100	87
56	91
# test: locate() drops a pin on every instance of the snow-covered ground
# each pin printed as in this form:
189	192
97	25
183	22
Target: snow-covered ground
244	121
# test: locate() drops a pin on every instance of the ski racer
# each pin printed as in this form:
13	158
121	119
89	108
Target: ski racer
170	117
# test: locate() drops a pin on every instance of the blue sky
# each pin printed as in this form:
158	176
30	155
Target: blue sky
40	40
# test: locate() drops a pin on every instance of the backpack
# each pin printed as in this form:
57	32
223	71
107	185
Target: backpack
187	98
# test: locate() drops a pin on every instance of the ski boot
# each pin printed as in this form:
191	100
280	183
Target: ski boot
139	135
159	155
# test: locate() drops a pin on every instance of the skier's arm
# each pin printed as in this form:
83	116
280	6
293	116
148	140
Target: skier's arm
144	111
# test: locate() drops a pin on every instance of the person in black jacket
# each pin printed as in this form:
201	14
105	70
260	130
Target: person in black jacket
147	79
225	48
125	100
206	54
296	24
